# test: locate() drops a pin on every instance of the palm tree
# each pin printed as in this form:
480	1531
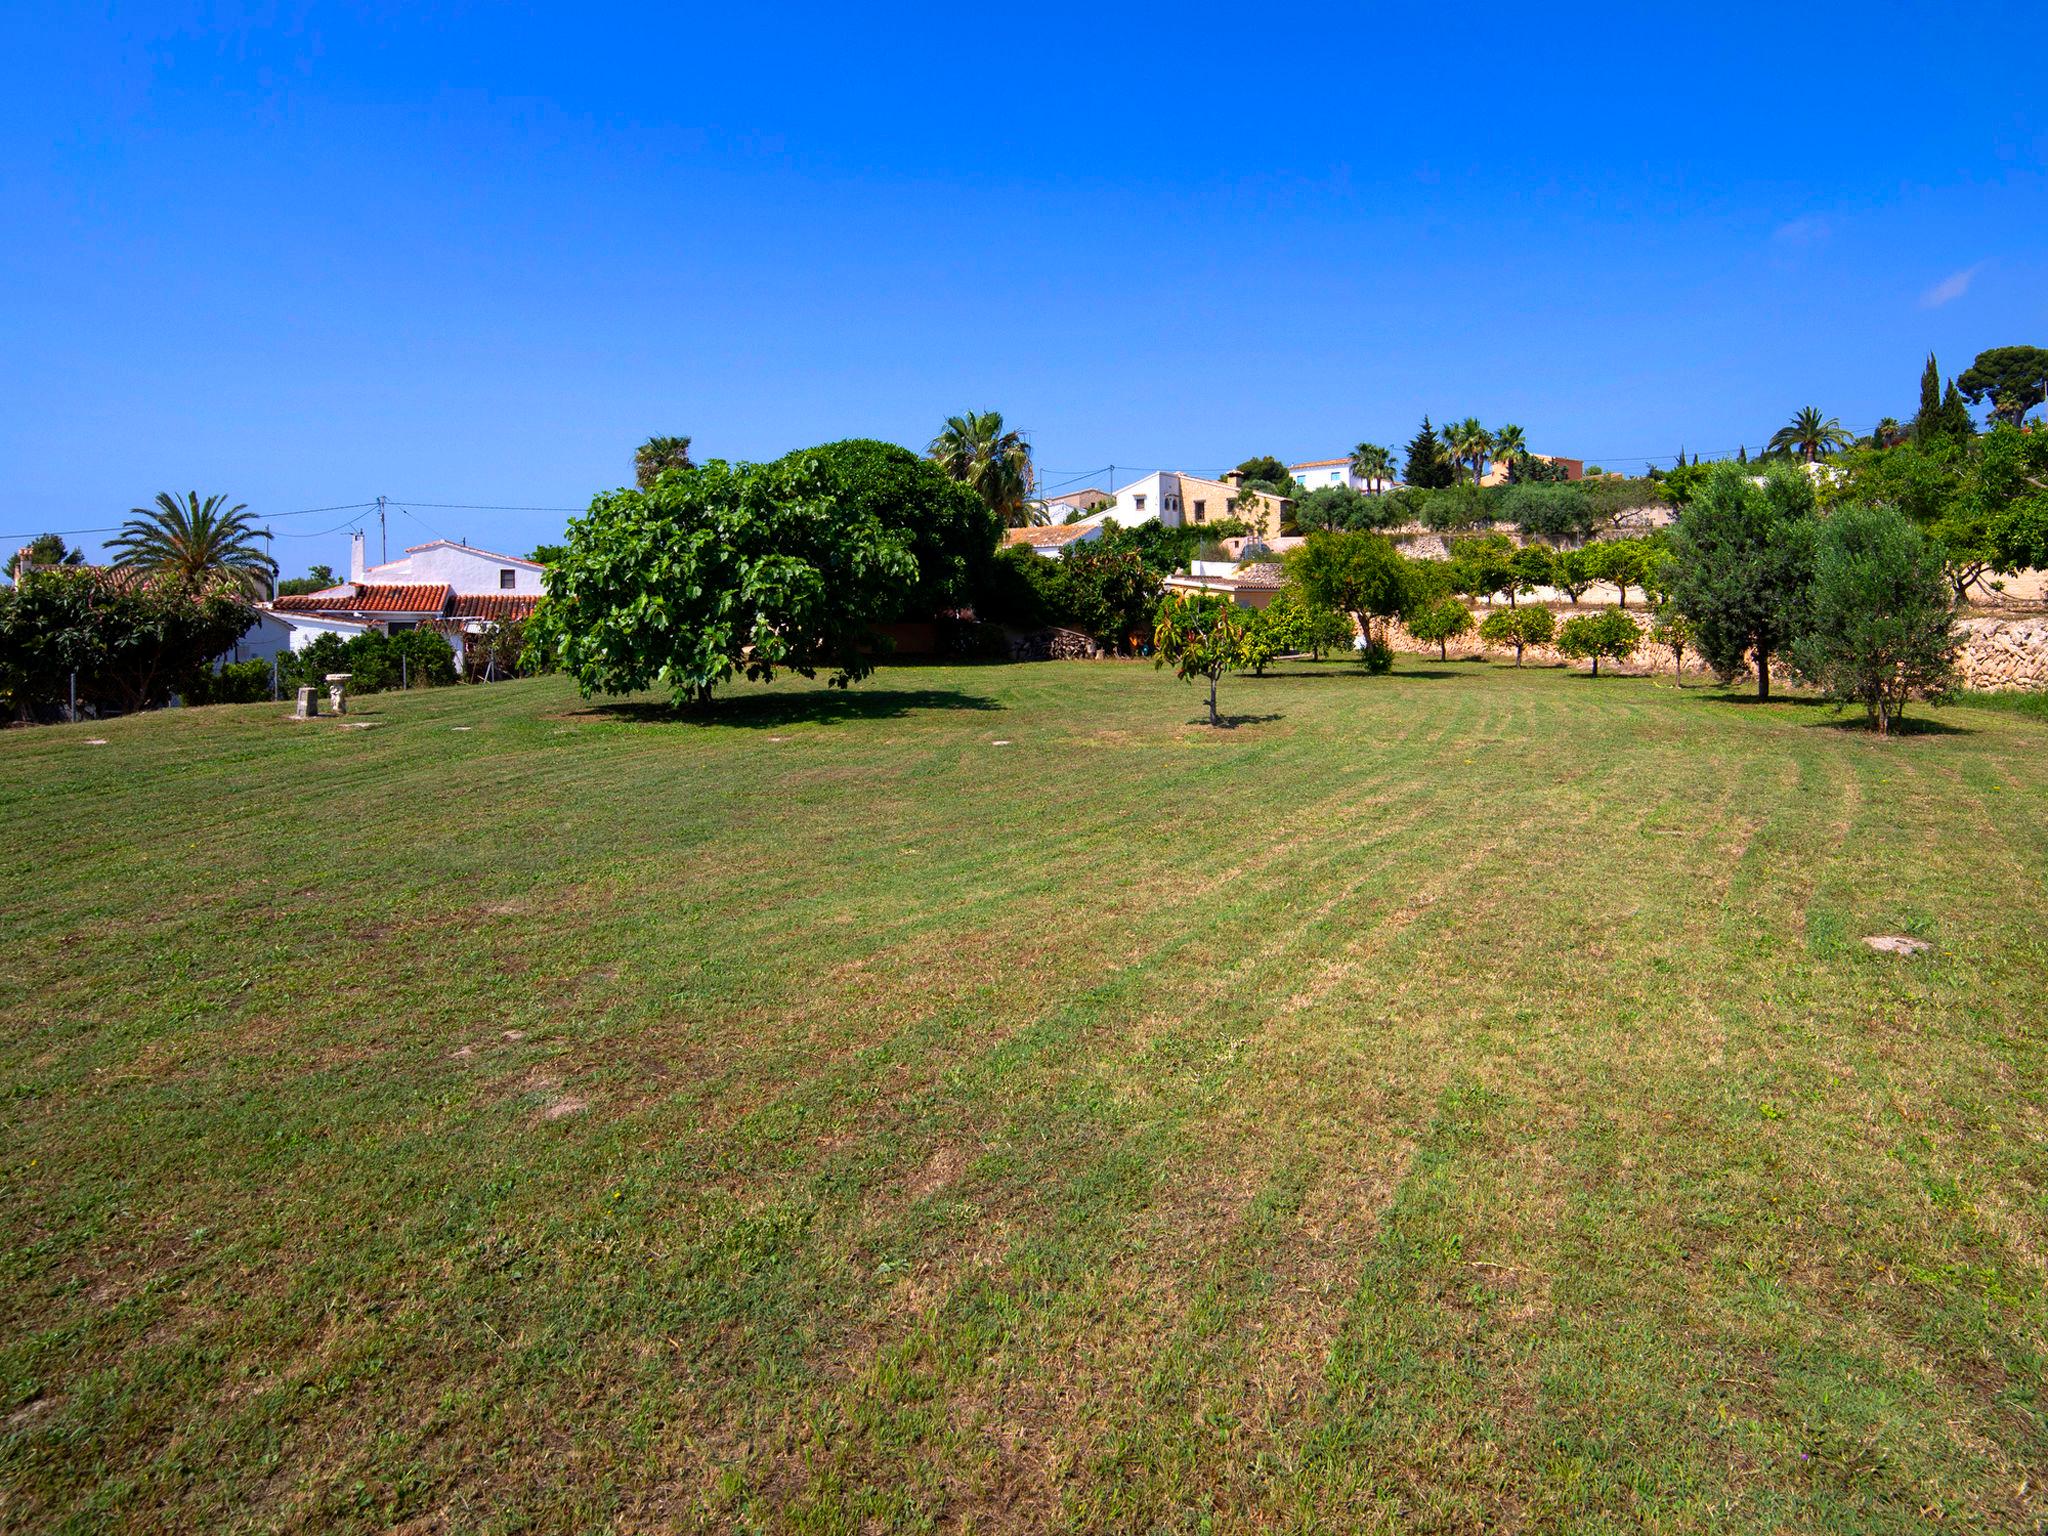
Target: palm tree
1509	443
1469	443
1810	435
976	450
1889	433
193	539
1372	463
655	457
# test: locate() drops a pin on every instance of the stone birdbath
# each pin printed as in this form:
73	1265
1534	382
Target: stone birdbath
337	691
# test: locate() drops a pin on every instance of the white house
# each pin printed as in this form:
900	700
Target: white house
450	587
1320	474
460	566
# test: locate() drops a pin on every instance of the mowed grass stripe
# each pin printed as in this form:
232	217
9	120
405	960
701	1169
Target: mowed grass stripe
1353	1118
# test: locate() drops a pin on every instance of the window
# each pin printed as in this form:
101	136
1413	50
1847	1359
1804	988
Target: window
505	581
396	625
1140	500
1201	510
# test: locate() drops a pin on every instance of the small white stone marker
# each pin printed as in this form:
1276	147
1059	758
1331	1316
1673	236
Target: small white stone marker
95	741
1897	944
999	743
458	727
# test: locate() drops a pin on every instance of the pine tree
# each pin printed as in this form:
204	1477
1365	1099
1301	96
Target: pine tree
1927	419
1742	455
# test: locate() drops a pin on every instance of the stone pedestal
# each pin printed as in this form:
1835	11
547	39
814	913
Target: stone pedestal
309	704
337	694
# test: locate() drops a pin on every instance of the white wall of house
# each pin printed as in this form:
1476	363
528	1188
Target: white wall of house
1318	477
465	569
1145	500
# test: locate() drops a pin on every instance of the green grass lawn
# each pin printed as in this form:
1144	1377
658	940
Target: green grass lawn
988	1100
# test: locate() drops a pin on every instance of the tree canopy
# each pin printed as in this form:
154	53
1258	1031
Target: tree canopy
723	569
1202	635
1591	636
1266	473
131	643
1880	622
1743	555
1359	574
2013	379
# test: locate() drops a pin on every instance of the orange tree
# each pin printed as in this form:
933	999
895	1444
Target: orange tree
1203	635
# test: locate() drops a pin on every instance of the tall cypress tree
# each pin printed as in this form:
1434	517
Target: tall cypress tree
1927	423
1956	422
1742	453
1428	468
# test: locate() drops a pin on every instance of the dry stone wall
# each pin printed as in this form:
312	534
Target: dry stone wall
1997	654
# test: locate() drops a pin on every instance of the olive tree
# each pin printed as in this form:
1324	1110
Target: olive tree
1881	618
1744	556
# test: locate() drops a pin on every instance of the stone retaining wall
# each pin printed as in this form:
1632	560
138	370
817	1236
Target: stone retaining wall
1997	655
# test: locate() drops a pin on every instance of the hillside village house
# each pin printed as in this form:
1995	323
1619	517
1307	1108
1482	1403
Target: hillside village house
1059	508
1055	539
442	585
1321	474
1178	500
1497	469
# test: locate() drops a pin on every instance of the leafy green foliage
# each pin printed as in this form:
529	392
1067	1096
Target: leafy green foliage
1937	483
1300	625
720	570
1571	572
952	533
132	644
1110	593
1613	635
2013	379
1673	631
1482	566
1440	621
1809	434
1622	563
2011	497
1203	635
1266	473
1166	550
1880	624
1338	509
1518	628
415	658
1744	557
1360	574
1532	566
1560	511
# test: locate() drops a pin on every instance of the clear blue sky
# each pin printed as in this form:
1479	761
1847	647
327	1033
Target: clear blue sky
473	253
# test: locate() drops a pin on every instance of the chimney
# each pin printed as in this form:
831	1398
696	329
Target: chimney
358	570
1233	478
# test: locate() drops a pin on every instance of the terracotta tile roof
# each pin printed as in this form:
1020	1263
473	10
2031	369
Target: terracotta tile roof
497	607
413	597
1057	536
